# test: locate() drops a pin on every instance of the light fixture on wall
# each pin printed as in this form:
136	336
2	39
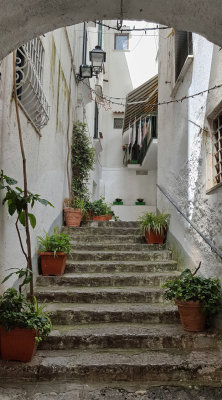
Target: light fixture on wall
97	57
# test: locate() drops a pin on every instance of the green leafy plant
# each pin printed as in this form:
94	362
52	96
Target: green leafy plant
157	222
56	243
140	200
18	201
82	160
190	287
76	202
118	200
100	207
17	311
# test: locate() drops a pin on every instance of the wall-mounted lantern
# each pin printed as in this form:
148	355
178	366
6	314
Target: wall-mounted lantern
97	57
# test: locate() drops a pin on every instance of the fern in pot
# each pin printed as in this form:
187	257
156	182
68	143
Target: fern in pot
154	227
53	252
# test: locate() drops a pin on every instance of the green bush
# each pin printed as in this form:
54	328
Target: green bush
17	311
58	242
82	160
100	207
157	222
190	287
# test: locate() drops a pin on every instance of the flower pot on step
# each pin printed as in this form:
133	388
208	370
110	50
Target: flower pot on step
191	316
18	344
109	217
154	237
73	216
53	265
99	218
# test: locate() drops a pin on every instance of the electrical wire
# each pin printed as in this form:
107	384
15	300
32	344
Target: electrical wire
131	29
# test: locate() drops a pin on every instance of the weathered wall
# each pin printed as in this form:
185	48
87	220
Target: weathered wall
21	20
46	155
184	168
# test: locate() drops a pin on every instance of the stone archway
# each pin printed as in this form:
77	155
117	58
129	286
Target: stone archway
21	20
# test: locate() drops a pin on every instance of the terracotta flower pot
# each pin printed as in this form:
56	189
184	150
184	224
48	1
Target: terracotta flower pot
53	265
18	344
73	216
99	218
154	238
109	217
191	316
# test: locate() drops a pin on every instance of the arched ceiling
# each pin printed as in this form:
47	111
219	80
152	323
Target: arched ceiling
21	20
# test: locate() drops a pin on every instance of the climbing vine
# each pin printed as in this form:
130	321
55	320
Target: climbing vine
82	160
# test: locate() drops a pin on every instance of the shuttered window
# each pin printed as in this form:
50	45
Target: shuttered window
183	48
118	123
217	126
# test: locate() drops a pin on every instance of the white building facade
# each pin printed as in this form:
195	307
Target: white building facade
189	147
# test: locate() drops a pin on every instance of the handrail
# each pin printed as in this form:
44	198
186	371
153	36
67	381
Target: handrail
213	248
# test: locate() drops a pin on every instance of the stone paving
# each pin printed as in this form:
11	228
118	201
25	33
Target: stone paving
68	391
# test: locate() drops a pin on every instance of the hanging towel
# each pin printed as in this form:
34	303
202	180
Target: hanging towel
134	133
129	133
144	130
139	140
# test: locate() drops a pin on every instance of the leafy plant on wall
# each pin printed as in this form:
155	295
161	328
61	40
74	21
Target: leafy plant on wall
82	160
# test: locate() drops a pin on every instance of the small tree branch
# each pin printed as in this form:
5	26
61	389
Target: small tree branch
28	240
197	269
20	240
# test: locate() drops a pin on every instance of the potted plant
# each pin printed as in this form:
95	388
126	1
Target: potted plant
154	226
140	202
73	213
23	326
197	298
118	202
53	252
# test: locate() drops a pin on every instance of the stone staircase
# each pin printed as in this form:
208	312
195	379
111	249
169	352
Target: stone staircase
110	323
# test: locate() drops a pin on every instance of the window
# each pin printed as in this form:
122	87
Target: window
29	71
96	122
217	128
183	48
121	41
118	123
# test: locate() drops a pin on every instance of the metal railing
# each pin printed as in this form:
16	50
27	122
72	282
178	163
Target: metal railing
213	248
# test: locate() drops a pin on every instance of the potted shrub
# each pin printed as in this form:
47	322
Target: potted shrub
197	299
53	252
73	213
23	326
99	210
118	202
154	226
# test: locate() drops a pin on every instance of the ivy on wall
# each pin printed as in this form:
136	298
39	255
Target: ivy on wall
82	160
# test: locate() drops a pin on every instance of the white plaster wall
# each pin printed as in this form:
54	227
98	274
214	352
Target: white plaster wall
182	154
125	184
46	155
131	213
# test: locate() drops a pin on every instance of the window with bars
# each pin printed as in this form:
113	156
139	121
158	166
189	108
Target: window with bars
118	123
217	128
29	78
183	48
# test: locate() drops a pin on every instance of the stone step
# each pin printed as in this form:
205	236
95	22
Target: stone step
126	336
94	246
123	266
101	231
106	279
114	224
72	313
76	255
98	295
169	366
105	238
